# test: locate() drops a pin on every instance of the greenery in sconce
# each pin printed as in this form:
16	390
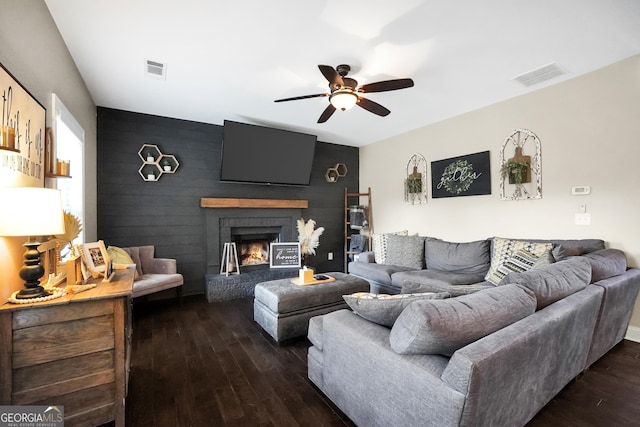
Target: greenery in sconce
414	185
516	171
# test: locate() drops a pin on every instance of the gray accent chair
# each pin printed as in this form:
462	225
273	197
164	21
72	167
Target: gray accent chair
153	274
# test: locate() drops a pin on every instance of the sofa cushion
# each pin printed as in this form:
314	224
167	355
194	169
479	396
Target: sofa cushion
503	249
467	258
384	309
379	243
553	282
524	261
606	263
409	287
405	251
430	276
444	326
374	272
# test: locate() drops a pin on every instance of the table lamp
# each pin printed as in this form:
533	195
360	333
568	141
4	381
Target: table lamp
32	212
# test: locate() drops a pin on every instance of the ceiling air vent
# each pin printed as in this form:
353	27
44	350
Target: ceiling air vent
156	70
539	75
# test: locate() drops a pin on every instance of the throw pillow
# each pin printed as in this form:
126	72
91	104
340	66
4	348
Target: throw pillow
405	251
553	282
379	243
503	249
469	257
523	261
444	326
385	309
120	256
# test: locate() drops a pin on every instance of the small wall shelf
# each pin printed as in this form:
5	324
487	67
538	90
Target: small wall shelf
154	163
338	171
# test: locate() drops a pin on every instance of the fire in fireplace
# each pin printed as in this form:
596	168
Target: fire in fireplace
254	252
253	247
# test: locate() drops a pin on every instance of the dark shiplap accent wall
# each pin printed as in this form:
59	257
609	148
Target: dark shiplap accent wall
167	213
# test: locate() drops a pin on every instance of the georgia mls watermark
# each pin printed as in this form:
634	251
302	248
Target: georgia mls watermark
31	416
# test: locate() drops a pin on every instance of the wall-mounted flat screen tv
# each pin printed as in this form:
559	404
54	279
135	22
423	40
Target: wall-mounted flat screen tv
258	154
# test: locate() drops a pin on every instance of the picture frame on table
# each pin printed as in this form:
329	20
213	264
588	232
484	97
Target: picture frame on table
75	275
95	257
109	270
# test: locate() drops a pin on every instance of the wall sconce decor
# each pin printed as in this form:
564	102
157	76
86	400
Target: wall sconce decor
338	171
520	170
154	163
415	185
32	212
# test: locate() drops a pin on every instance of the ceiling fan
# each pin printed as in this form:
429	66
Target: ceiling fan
345	92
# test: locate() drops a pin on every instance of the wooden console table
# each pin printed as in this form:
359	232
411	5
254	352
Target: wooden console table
72	351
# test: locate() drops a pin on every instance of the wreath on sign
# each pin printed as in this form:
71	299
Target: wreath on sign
457	177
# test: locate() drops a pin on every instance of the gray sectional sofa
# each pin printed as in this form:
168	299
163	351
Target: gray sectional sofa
492	356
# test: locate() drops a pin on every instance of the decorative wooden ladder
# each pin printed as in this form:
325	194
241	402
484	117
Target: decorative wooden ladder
351	199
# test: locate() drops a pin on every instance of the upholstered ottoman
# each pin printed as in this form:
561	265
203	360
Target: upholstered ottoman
283	309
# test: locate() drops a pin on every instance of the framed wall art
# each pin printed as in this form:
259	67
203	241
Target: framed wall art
468	175
520	166
22	134
415	184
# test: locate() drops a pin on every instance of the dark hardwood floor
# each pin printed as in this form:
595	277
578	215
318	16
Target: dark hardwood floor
200	364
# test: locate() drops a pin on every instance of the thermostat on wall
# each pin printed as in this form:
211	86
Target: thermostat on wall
581	191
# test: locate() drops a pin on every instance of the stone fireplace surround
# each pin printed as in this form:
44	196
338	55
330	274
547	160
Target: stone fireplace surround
222	223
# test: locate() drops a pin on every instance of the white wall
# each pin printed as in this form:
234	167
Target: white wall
589	128
32	49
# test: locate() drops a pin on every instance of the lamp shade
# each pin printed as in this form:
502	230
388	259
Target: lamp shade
30	211
343	99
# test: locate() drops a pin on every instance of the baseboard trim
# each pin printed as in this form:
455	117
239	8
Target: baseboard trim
633	334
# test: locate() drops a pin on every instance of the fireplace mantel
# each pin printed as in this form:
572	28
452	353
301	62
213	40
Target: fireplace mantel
208	202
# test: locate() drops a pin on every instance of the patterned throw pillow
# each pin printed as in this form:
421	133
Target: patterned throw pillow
522	261
405	251
384	309
379	242
503	249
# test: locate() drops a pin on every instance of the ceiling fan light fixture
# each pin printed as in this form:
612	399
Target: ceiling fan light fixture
343	99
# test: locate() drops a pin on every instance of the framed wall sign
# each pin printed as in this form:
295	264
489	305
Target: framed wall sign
461	176
22	134
285	255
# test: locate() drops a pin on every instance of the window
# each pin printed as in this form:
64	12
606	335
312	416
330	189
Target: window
69	145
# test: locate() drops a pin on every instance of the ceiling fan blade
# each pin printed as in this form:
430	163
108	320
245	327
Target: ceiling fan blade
373	107
317	95
331	75
328	112
387	85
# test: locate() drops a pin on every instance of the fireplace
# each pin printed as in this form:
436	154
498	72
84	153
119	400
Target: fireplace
254	226
253	245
